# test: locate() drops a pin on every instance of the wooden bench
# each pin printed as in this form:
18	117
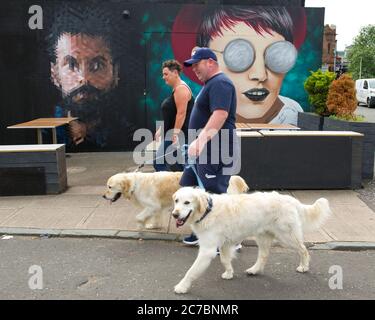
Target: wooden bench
301	159
32	169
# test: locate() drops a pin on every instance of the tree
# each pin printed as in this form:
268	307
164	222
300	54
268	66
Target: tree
363	49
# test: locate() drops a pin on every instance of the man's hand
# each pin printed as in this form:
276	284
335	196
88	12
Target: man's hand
175	139
196	148
78	131
157	135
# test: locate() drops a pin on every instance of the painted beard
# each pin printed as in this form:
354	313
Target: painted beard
87	103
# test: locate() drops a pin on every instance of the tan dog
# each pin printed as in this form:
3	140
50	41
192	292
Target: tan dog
153	191
222	220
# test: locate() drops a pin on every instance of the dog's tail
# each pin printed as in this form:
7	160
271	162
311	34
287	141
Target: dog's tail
316	214
237	185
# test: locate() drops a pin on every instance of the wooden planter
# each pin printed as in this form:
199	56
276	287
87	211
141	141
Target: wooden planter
302	160
310	121
366	128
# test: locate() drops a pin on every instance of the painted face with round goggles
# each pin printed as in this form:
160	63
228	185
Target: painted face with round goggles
257	64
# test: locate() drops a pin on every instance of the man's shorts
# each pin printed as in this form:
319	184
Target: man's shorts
211	176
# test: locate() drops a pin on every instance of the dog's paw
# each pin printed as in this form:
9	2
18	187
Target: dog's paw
253	271
227	275
181	288
302	269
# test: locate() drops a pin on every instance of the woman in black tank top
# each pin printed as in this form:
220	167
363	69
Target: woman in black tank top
176	110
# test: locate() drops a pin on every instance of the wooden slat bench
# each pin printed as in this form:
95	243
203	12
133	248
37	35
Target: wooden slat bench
32	169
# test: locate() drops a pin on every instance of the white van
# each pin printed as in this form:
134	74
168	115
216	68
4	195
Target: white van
366	92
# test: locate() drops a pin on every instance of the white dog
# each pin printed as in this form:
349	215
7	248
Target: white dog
221	221
153	191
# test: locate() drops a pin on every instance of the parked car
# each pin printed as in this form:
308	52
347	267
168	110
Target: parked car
366	92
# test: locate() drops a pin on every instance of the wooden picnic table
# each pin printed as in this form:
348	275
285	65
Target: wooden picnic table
44	123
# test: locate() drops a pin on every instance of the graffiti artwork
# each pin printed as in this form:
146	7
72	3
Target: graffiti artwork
91	61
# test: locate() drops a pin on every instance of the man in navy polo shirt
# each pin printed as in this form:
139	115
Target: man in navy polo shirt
214	113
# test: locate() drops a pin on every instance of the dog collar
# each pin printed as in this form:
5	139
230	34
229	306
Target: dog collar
208	209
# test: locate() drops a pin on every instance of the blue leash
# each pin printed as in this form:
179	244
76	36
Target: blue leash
191	164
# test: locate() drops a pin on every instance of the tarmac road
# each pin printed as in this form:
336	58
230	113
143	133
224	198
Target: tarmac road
94	268
368	113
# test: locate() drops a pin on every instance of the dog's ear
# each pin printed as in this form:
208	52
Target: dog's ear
127	187
202	202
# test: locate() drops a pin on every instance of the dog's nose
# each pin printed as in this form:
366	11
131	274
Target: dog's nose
104	196
175	214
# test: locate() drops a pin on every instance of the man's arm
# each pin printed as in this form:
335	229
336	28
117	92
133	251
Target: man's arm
214	124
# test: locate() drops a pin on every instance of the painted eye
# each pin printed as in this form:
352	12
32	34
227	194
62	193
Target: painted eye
73	65
281	56
97	66
239	55
186	202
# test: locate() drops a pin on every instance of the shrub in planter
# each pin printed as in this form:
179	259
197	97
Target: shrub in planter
341	99
342	103
317	86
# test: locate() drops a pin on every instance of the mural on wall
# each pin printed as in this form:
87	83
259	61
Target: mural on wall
85	46
91	61
266	51
256	48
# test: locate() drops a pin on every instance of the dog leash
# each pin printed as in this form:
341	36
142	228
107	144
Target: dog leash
154	159
191	163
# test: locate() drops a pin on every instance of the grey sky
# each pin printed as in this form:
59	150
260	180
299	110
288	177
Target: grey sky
348	16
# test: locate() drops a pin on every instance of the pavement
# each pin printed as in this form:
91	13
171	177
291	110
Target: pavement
82	212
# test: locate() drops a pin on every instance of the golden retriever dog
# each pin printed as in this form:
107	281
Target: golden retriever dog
221	221
153	191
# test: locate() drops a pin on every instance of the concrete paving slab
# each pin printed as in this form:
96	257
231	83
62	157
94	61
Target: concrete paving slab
21	201
6	214
351	223
48	218
46	201
318	236
120	203
78	201
120	217
92	190
340	197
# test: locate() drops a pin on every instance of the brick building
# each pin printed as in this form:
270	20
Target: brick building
329	48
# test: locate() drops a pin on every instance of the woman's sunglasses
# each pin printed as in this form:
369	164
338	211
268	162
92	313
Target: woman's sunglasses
279	57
